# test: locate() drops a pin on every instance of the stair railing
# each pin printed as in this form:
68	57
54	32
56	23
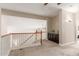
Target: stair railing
13	36
32	36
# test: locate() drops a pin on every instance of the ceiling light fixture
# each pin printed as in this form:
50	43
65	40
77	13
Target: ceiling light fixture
58	3
45	4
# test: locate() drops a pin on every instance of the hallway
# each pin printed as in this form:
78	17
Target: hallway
48	49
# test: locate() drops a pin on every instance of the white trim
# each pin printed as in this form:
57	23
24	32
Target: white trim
66	43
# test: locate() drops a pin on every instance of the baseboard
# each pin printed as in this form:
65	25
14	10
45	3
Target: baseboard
66	43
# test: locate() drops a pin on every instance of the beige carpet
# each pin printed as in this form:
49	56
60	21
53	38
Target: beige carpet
48	48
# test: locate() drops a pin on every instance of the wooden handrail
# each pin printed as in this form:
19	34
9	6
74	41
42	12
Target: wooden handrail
22	33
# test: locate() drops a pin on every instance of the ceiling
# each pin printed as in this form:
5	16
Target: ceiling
50	10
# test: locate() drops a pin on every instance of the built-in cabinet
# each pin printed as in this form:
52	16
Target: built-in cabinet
53	37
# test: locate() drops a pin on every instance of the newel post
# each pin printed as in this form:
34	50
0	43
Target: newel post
41	38
36	34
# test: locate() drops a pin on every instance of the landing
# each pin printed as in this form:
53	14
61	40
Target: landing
48	49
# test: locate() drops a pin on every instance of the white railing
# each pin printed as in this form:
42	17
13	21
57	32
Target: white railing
20	40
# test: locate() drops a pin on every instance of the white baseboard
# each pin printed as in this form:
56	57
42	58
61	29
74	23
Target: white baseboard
66	43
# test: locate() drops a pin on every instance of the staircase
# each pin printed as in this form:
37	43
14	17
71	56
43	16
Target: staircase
13	41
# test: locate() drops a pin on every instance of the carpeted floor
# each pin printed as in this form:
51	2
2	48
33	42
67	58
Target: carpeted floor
48	49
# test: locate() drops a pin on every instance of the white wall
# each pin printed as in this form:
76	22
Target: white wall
77	25
67	27
27	15
55	24
0	33
19	24
49	25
